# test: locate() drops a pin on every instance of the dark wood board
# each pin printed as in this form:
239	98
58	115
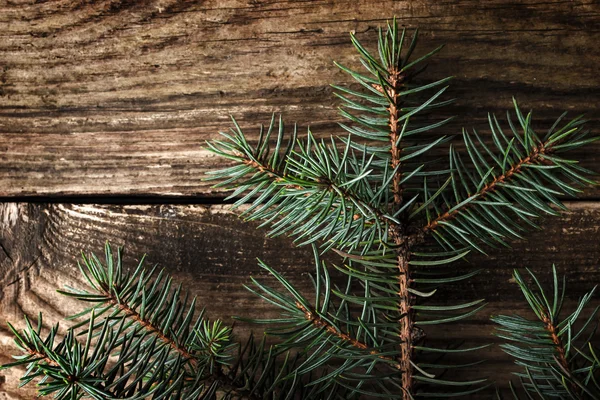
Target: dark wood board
213	253
117	97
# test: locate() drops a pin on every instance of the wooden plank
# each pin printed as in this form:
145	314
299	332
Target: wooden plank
116	98
212	252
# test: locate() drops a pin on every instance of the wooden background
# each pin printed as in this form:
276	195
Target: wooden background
105	106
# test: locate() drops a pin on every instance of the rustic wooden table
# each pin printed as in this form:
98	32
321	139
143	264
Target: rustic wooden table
105	106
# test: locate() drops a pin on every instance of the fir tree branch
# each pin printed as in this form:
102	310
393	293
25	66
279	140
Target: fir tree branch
354	203
485	207
324	183
310	190
140	299
535	157
130	312
226	382
65	367
278	176
307	172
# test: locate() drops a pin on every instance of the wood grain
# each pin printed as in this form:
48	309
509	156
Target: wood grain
212	253
117	97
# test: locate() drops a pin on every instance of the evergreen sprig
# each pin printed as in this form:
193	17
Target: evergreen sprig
309	190
496	196
132	356
374	199
357	335
555	352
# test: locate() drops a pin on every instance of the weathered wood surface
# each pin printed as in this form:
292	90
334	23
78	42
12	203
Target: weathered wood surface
112	100
117	97
212	253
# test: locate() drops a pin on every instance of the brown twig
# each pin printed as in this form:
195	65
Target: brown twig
397	233
396	81
44	357
561	356
404	307
560	348
134	315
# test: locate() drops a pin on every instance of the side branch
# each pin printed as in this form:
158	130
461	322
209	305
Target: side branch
321	323
43	357
134	315
534	157
326	184
558	345
225	380
561	356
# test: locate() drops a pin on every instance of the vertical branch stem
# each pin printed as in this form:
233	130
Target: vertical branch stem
396	80
405	320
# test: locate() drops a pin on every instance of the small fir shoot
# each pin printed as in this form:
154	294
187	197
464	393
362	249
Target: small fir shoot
555	351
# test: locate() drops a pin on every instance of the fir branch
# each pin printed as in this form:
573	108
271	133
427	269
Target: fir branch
311	190
67	369
558	345
317	333
488	208
130	312
324	183
137	297
278	184
535	157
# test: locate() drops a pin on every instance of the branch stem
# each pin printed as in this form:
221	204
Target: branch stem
396	81
405	315
561	356
560	348
133	314
397	233
43	356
